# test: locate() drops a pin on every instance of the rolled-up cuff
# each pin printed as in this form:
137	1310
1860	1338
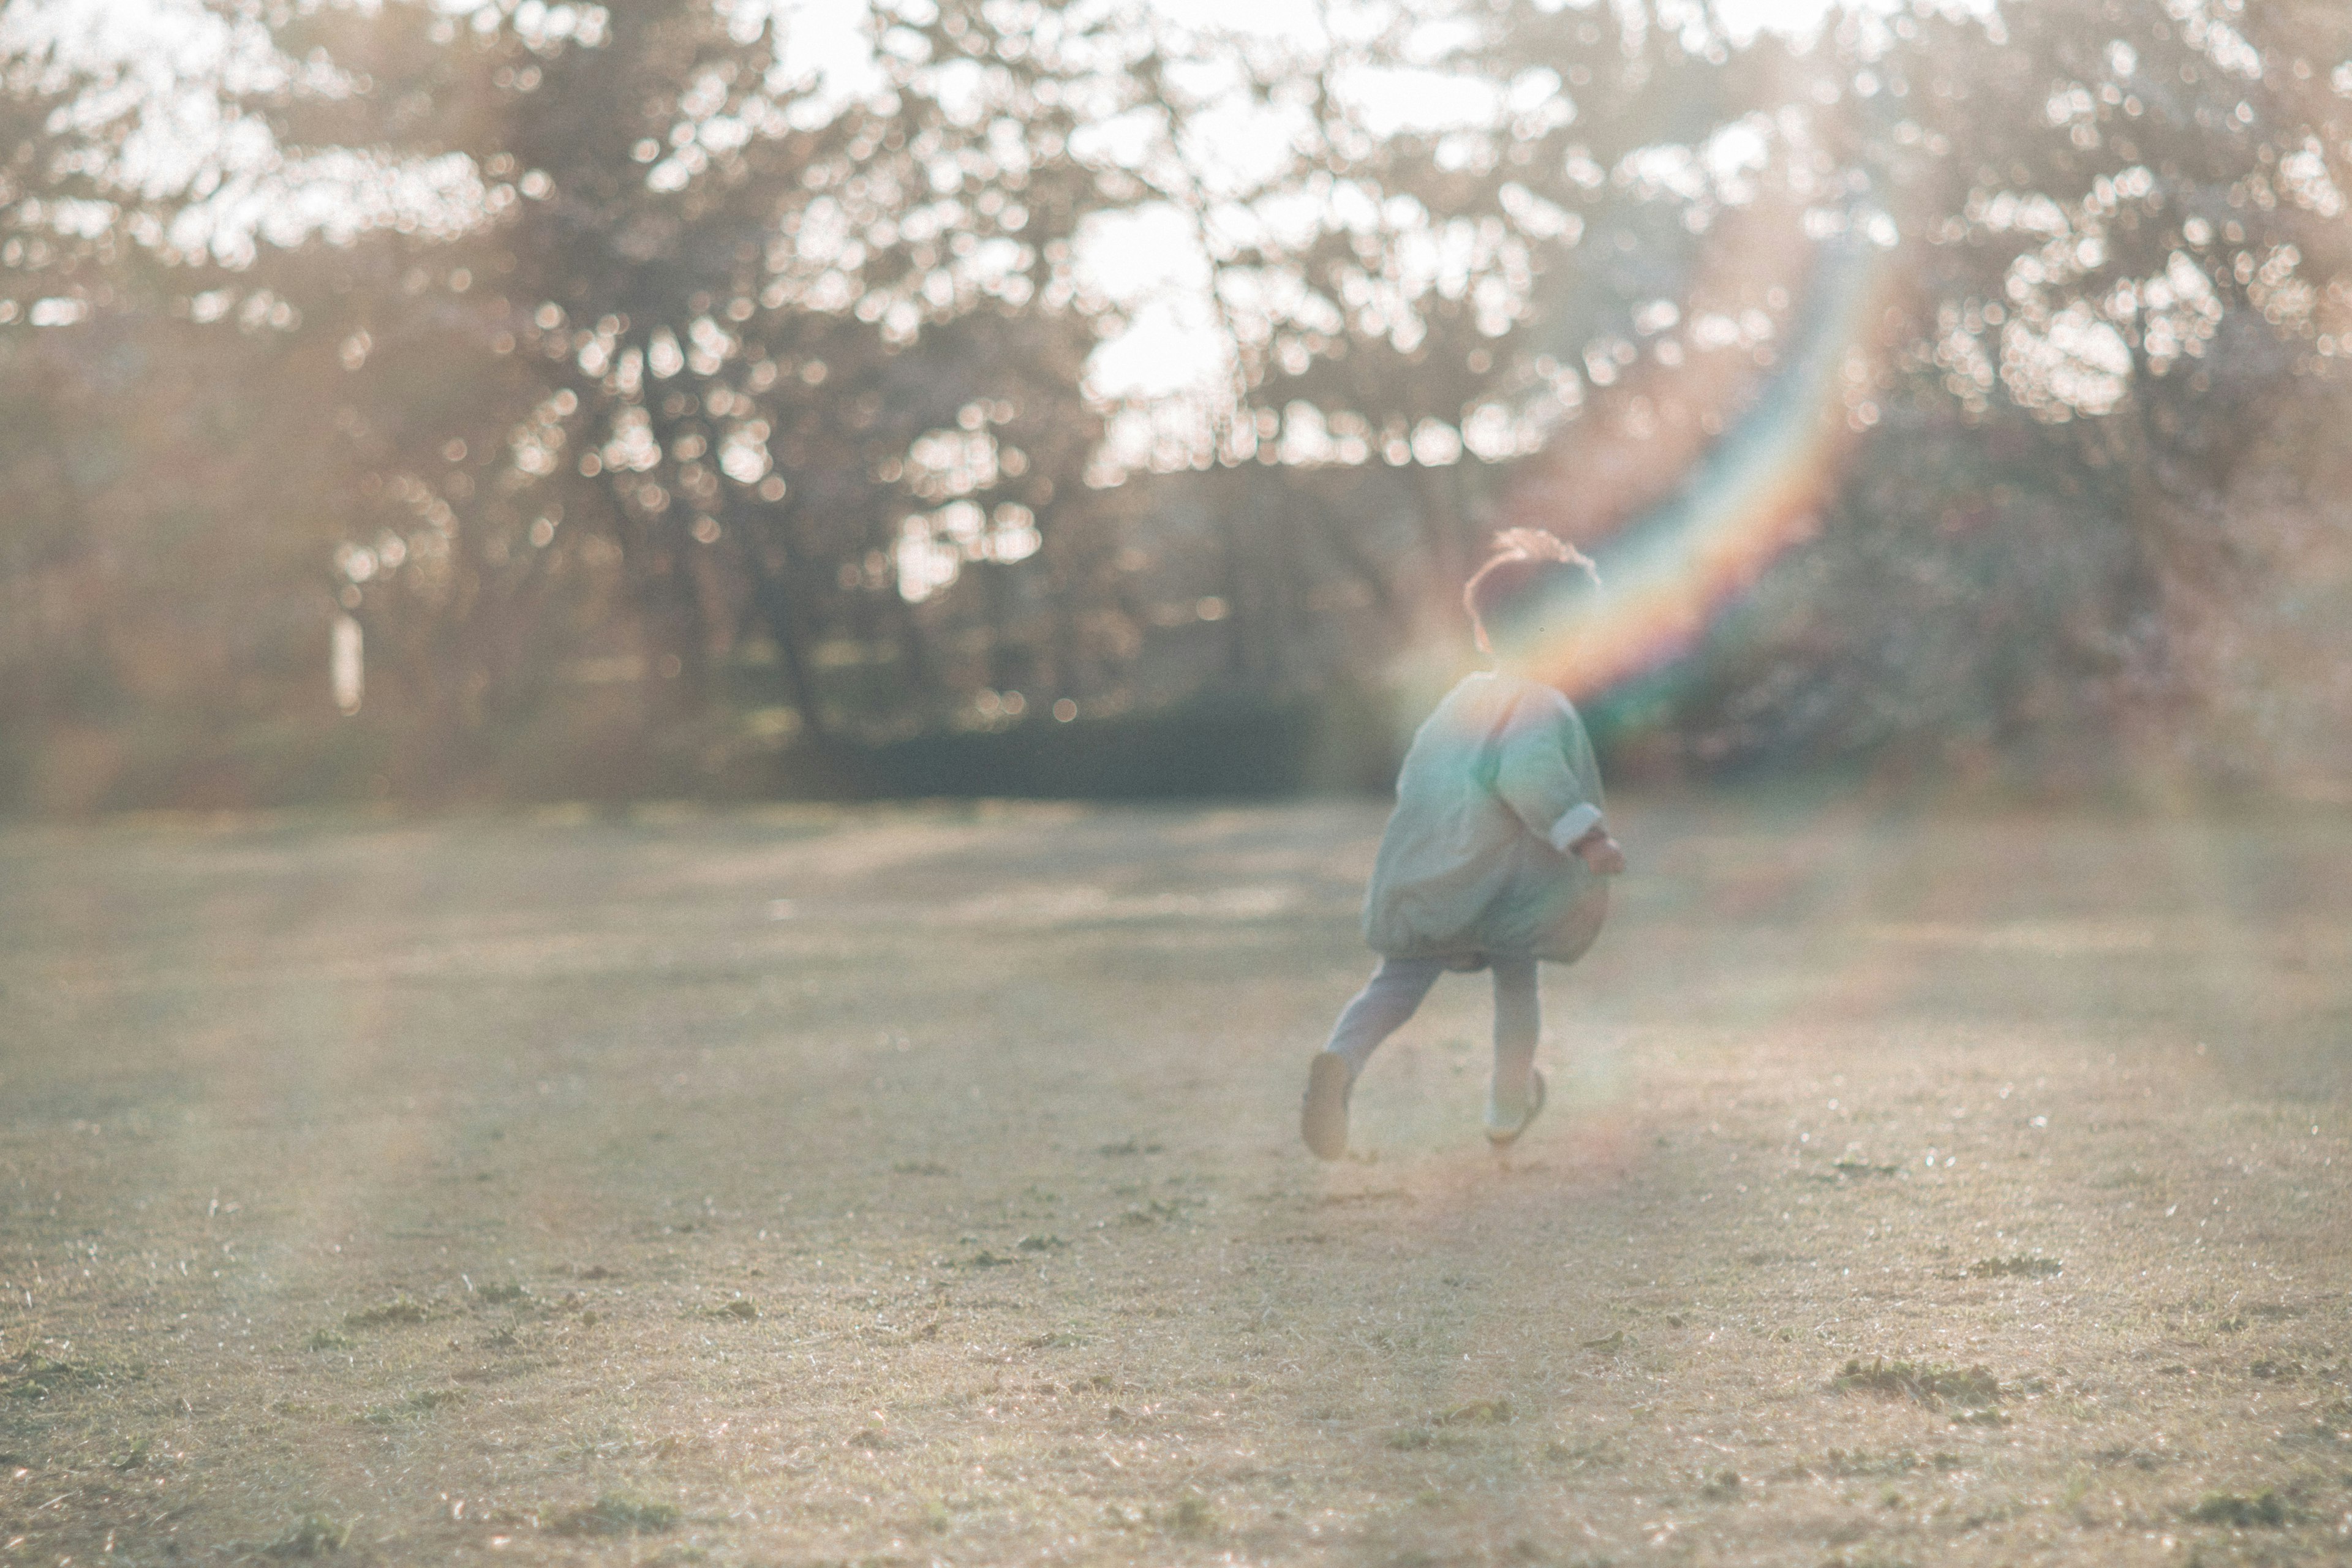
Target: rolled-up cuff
1579	821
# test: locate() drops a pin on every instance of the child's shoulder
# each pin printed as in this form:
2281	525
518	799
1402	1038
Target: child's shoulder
1495	703
1532	703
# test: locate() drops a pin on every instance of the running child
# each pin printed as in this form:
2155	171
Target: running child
1496	855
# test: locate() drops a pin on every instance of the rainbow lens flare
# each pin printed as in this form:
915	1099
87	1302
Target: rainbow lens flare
1670	575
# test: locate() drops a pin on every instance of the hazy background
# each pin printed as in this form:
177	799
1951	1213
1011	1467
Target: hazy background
467	403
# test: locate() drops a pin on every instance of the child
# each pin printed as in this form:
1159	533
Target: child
1495	855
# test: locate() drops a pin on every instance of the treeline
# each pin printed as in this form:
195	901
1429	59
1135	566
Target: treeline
550	401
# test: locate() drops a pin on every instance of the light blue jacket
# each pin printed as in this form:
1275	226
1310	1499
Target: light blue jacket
1500	780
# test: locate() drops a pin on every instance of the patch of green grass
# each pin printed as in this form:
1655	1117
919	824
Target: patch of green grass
424	1402
1478	1412
2124	1453
34	1377
1193	1515
1840	1462
1128	1146
616	1513
402	1313
1599	1455
1922	1381
312	1535
2265	1508
2019	1267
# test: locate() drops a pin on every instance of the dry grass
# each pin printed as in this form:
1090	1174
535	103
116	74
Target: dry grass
911	1185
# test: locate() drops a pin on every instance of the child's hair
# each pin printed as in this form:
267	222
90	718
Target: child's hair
1531	577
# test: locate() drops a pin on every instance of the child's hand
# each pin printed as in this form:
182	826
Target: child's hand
1599	852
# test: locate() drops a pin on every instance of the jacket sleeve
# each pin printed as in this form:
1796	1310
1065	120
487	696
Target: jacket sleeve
1546	774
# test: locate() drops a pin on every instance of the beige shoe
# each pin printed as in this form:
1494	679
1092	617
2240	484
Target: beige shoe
1504	1136
1323	1118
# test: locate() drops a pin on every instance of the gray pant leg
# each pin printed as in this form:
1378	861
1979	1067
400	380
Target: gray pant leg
1382	1007
1519	1023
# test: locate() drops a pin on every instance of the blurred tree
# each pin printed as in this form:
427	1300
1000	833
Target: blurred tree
46	645
1443	240
652	395
127	622
783	358
2119	257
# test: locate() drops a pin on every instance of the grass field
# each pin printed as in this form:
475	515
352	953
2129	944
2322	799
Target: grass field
902	1186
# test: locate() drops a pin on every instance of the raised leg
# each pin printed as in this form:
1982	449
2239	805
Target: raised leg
1380	1008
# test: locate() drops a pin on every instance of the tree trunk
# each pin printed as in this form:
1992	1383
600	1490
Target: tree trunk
1333	528
771	597
915	650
